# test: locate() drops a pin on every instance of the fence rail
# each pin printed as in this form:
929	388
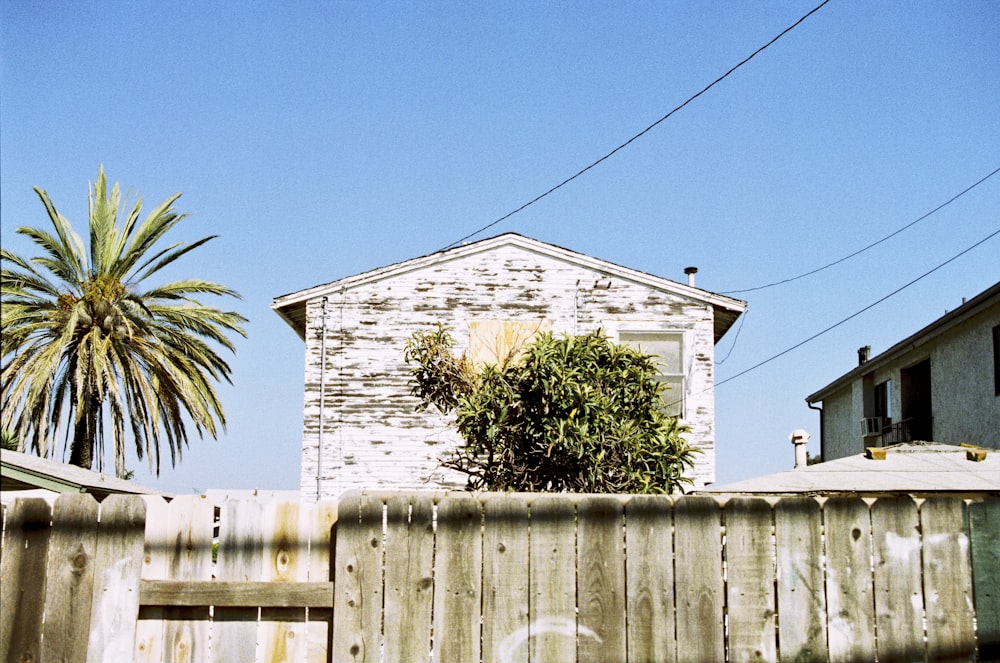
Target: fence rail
501	578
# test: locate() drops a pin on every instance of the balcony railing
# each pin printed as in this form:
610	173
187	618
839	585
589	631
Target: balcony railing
907	430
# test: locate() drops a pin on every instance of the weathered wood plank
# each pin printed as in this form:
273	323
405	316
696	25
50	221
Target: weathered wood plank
409	577
552	583
850	603
984	525
357	609
649	579
801	592
282	632
69	577
234	628
22	592
505	578
899	602
947	580
601	580
149	632
750	580
698	577
235	594
324	521
458	579
190	521
117	568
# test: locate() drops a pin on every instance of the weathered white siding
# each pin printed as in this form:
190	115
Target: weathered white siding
371	434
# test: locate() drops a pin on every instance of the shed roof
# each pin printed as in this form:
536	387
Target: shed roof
911	467
984	300
291	307
21	472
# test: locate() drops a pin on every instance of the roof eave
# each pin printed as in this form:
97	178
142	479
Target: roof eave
288	306
911	342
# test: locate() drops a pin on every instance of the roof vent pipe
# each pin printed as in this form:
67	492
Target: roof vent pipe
800	439
864	354
691	271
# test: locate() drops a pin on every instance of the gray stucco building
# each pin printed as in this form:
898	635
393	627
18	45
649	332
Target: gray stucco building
940	384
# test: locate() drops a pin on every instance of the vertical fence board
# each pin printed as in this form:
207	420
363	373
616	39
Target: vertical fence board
69	578
750	580
698	579
801	592
357	609
649	579
321	532
899	606
117	568
505	578
409	577
601	580
552	580
234	630
190	522
149	644
22	592
282	632
850	604
984	525
458	579
947	580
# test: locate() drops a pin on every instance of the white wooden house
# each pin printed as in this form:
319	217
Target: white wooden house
361	429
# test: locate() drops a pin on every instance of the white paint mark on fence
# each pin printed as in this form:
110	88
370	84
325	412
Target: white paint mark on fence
115	640
901	548
553	625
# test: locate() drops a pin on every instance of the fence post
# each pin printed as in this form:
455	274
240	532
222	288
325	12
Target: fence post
69	582
22	592
117	567
699	585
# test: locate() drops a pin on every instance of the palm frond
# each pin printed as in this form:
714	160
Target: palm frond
87	353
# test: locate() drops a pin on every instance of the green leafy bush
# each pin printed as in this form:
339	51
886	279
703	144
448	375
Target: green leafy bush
570	413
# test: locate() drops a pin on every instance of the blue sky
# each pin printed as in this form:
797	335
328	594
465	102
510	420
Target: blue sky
324	139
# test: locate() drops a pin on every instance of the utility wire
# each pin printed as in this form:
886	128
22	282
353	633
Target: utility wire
870	246
856	314
644	131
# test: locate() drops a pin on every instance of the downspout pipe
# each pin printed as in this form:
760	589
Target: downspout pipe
322	398
822	428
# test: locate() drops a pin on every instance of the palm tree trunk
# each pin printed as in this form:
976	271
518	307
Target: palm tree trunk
81	451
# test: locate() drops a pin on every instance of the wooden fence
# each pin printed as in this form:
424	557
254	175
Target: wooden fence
501	578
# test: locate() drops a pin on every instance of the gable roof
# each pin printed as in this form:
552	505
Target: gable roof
21	471
911	467
291	307
979	303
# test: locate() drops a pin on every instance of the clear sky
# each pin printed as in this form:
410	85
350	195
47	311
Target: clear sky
324	139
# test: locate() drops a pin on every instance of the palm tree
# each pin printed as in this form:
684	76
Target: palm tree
86	344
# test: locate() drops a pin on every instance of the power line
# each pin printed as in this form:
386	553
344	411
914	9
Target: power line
856	314
870	246
644	131
743	318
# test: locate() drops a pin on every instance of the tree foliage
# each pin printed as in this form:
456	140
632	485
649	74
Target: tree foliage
87	342
570	413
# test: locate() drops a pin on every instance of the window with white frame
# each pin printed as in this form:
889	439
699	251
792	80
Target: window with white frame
668	347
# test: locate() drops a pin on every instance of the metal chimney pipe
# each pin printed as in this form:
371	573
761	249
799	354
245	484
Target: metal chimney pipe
691	271
800	439
864	354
